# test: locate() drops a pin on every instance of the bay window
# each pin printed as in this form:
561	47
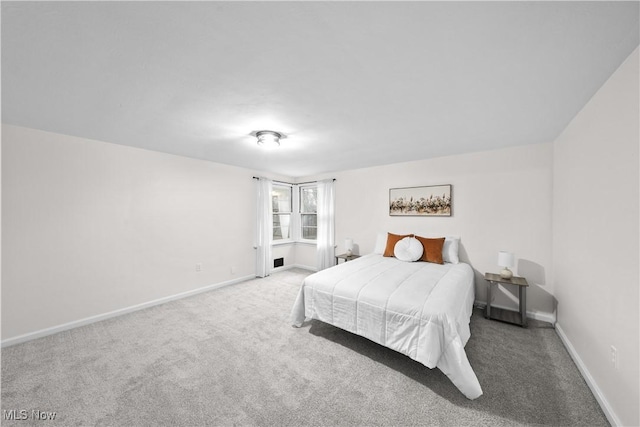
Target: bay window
294	212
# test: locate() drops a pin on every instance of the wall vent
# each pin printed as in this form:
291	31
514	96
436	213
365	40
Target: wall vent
278	262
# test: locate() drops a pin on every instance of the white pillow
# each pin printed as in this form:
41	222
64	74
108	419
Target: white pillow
381	243
450	249
408	249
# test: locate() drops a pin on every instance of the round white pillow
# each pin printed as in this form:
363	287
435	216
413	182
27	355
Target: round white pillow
408	249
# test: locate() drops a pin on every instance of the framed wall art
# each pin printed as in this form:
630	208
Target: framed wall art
434	200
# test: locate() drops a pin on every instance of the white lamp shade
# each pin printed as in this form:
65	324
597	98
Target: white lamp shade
505	259
348	244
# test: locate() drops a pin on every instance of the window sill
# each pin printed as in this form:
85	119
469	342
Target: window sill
294	242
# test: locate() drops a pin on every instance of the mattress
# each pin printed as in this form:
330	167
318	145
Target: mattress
419	309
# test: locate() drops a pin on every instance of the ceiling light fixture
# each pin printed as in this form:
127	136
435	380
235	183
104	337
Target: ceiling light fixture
269	138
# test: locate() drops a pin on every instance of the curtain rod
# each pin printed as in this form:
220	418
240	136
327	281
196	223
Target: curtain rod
291	183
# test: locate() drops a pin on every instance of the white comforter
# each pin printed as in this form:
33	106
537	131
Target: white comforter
416	308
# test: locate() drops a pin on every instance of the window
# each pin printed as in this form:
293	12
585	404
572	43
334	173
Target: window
281	204
308	215
294	212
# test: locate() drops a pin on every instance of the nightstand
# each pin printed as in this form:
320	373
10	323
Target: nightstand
509	316
346	257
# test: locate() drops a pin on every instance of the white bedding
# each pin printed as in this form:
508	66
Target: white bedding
416	308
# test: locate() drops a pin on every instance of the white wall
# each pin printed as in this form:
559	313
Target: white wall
306	255
286	251
501	201
91	227
595	241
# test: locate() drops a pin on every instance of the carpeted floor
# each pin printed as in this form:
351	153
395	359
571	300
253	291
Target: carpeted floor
229	357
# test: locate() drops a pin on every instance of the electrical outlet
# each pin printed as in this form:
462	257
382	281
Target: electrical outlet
198	267
233	270
614	357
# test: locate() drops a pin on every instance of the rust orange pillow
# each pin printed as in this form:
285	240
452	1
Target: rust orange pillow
392	239
432	249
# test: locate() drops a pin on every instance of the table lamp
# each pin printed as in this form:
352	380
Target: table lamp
348	244
506	260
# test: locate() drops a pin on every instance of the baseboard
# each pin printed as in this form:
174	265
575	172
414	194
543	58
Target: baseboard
531	314
597	393
88	320
288	267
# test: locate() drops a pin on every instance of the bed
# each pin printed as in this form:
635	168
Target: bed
419	309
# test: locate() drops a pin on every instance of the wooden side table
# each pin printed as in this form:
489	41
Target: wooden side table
345	257
509	316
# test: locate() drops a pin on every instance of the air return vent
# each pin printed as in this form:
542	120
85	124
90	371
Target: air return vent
278	262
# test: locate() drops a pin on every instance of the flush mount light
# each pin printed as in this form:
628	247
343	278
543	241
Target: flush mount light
269	138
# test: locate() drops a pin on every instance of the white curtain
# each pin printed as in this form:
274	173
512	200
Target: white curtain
326	228
264	227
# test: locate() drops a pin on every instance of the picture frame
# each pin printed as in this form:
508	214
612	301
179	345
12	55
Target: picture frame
431	200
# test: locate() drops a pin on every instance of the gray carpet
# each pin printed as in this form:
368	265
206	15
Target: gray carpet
229	357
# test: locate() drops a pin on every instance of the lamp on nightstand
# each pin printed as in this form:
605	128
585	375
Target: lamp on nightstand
506	260
348	244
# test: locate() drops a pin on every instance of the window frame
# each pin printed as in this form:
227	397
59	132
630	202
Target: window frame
290	213
300	213
295	215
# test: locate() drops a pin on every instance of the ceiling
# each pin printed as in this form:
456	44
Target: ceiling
351	84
